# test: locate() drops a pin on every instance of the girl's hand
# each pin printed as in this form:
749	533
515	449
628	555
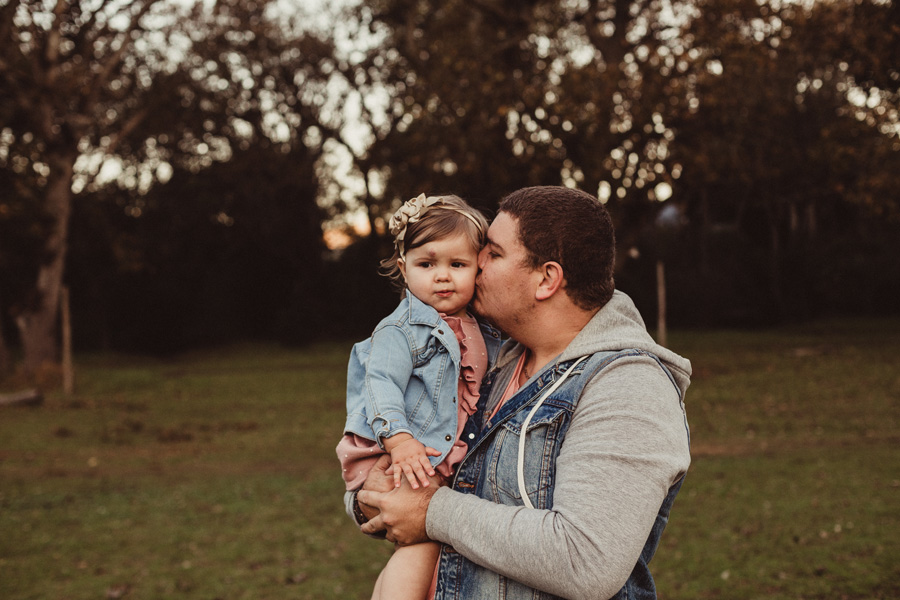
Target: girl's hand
410	457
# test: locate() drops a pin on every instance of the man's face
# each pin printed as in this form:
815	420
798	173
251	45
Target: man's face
504	290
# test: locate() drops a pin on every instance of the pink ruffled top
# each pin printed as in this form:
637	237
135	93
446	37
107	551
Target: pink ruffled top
472	367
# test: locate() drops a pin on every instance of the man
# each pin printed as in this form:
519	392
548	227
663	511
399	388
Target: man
577	507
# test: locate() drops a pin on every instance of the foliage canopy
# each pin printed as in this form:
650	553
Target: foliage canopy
181	159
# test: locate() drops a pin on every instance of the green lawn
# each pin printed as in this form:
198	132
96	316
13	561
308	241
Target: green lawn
213	475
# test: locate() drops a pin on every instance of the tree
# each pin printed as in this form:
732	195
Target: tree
258	84
150	89
486	97
453	74
740	108
71	78
774	153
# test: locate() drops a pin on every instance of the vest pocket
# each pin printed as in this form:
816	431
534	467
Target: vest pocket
542	441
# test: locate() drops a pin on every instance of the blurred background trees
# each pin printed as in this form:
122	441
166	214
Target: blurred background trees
175	164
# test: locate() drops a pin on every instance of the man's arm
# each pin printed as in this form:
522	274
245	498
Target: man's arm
363	513
625	447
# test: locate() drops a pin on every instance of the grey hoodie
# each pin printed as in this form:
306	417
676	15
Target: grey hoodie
626	446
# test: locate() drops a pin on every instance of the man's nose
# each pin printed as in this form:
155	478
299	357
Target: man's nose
482	257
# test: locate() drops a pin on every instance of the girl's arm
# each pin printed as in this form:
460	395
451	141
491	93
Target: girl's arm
388	371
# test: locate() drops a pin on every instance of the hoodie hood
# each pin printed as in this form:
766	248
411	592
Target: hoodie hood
616	326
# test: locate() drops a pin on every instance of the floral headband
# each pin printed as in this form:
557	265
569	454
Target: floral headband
413	210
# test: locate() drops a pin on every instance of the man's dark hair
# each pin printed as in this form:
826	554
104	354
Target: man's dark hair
572	228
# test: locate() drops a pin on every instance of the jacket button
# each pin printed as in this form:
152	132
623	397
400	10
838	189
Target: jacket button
441	331
471	436
448	438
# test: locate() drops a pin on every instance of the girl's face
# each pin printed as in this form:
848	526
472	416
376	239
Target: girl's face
442	273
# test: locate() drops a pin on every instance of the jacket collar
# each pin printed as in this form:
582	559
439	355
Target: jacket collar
420	313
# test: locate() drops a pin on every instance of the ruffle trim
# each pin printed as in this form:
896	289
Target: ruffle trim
469	379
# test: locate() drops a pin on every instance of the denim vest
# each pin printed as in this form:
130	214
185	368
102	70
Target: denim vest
489	471
407	380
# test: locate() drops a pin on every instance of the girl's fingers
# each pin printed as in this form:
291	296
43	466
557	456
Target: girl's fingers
411	477
426	464
421	473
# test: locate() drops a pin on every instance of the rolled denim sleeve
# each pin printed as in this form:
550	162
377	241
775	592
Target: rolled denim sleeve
388	373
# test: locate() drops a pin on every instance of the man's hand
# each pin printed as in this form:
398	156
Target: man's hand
378	481
402	511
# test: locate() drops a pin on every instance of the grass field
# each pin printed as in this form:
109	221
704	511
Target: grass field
212	475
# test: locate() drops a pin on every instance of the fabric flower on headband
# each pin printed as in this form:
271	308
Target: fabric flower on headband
411	211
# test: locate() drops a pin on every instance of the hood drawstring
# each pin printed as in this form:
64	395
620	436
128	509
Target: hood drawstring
520	467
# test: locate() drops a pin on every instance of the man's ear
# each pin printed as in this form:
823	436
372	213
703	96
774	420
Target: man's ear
552	280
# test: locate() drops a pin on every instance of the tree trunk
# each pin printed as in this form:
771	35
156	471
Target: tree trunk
775	265
811	224
704	231
23	398
37	324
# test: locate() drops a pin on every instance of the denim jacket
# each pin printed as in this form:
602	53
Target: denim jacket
489	471
404	378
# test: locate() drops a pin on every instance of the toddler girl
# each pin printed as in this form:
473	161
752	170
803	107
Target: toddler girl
412	384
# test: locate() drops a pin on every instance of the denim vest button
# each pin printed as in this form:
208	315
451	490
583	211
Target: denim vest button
448	438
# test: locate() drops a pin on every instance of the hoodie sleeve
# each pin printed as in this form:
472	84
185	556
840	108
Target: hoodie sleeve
626	446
